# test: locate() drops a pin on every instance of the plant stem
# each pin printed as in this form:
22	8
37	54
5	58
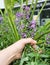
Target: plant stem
33	9
37	38
31	5
41	9
14	27
1	12
11	21
26	2
21	8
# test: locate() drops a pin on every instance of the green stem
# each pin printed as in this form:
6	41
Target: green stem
45	27
40	42
11	27
1	12
48	27
33	9
21	8
48	23
38	37
2	15
32	5
14	26
26	2
11	21
41	9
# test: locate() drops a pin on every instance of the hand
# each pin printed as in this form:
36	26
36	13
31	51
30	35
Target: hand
15	50
21	44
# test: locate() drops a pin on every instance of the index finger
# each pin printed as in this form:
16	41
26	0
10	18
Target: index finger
28	40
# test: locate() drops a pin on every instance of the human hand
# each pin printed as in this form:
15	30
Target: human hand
14	51
21	44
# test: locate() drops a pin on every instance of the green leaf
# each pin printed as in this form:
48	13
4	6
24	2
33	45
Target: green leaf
44	56
32	63
23	59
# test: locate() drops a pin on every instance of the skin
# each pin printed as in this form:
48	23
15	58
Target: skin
14	51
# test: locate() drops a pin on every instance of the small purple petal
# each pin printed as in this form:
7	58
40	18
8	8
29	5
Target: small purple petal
19	14
33	24
1	18
22	26
27	16
27	8
24	35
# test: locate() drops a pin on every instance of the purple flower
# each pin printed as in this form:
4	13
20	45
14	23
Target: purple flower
22	26
27	16
24	35
19	14
27	8
1	18
33	24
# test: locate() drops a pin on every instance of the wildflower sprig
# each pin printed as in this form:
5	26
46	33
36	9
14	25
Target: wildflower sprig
23	25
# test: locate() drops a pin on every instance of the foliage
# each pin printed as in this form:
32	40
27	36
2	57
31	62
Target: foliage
21	25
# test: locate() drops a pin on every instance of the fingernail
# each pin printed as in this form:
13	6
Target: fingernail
35	41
